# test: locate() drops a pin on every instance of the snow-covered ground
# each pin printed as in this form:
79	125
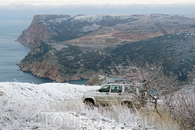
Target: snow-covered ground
56	106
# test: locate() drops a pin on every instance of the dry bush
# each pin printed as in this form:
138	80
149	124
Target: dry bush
96	80
150	119
151	79
152	75
114	113
181	106
146	117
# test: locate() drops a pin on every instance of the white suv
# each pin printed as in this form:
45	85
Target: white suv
116	93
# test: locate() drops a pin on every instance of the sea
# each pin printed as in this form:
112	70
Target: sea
12	52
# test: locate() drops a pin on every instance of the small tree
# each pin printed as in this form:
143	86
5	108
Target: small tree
154	82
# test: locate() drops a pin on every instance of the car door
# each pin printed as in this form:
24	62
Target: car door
131	93
115	93
102	96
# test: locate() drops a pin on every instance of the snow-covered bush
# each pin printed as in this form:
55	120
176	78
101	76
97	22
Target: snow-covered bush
181	105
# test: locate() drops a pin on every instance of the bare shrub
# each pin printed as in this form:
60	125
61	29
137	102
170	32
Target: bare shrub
150	119
181	105
146	117
119	115
96	80
152	80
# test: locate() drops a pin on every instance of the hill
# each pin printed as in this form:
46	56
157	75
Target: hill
175	52
65	47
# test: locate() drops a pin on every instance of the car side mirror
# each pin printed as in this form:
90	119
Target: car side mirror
100	90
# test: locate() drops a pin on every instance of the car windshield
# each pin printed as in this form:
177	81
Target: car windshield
106	88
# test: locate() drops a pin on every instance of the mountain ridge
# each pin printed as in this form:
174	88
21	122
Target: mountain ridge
65	47
103	29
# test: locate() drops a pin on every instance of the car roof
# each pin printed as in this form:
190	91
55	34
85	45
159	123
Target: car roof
118	84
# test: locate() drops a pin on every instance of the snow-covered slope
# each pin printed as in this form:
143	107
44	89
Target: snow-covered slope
44	92
55	106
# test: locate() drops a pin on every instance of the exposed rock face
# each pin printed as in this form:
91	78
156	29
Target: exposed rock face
45	61
103	30
35	30
37	61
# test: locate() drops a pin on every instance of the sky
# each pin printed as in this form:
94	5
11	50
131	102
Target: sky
99	1
26	9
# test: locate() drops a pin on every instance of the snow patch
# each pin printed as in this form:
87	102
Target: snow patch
91	28
60	20
95	18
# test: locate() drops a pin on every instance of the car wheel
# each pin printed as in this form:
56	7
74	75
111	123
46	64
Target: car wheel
89	102
127	104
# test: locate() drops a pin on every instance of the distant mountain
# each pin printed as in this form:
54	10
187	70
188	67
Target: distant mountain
65	47
103	30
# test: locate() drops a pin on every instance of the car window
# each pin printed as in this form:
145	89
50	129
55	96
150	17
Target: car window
105	88
141	89
116	89
130	89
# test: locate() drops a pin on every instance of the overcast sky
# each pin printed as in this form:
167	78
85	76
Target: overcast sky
100	1
26	9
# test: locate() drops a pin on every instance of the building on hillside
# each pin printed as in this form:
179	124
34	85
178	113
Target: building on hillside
113	72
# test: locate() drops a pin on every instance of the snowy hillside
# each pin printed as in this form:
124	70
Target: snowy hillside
58	106
55	106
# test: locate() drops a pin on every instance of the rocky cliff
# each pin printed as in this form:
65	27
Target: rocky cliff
61	62
65	47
